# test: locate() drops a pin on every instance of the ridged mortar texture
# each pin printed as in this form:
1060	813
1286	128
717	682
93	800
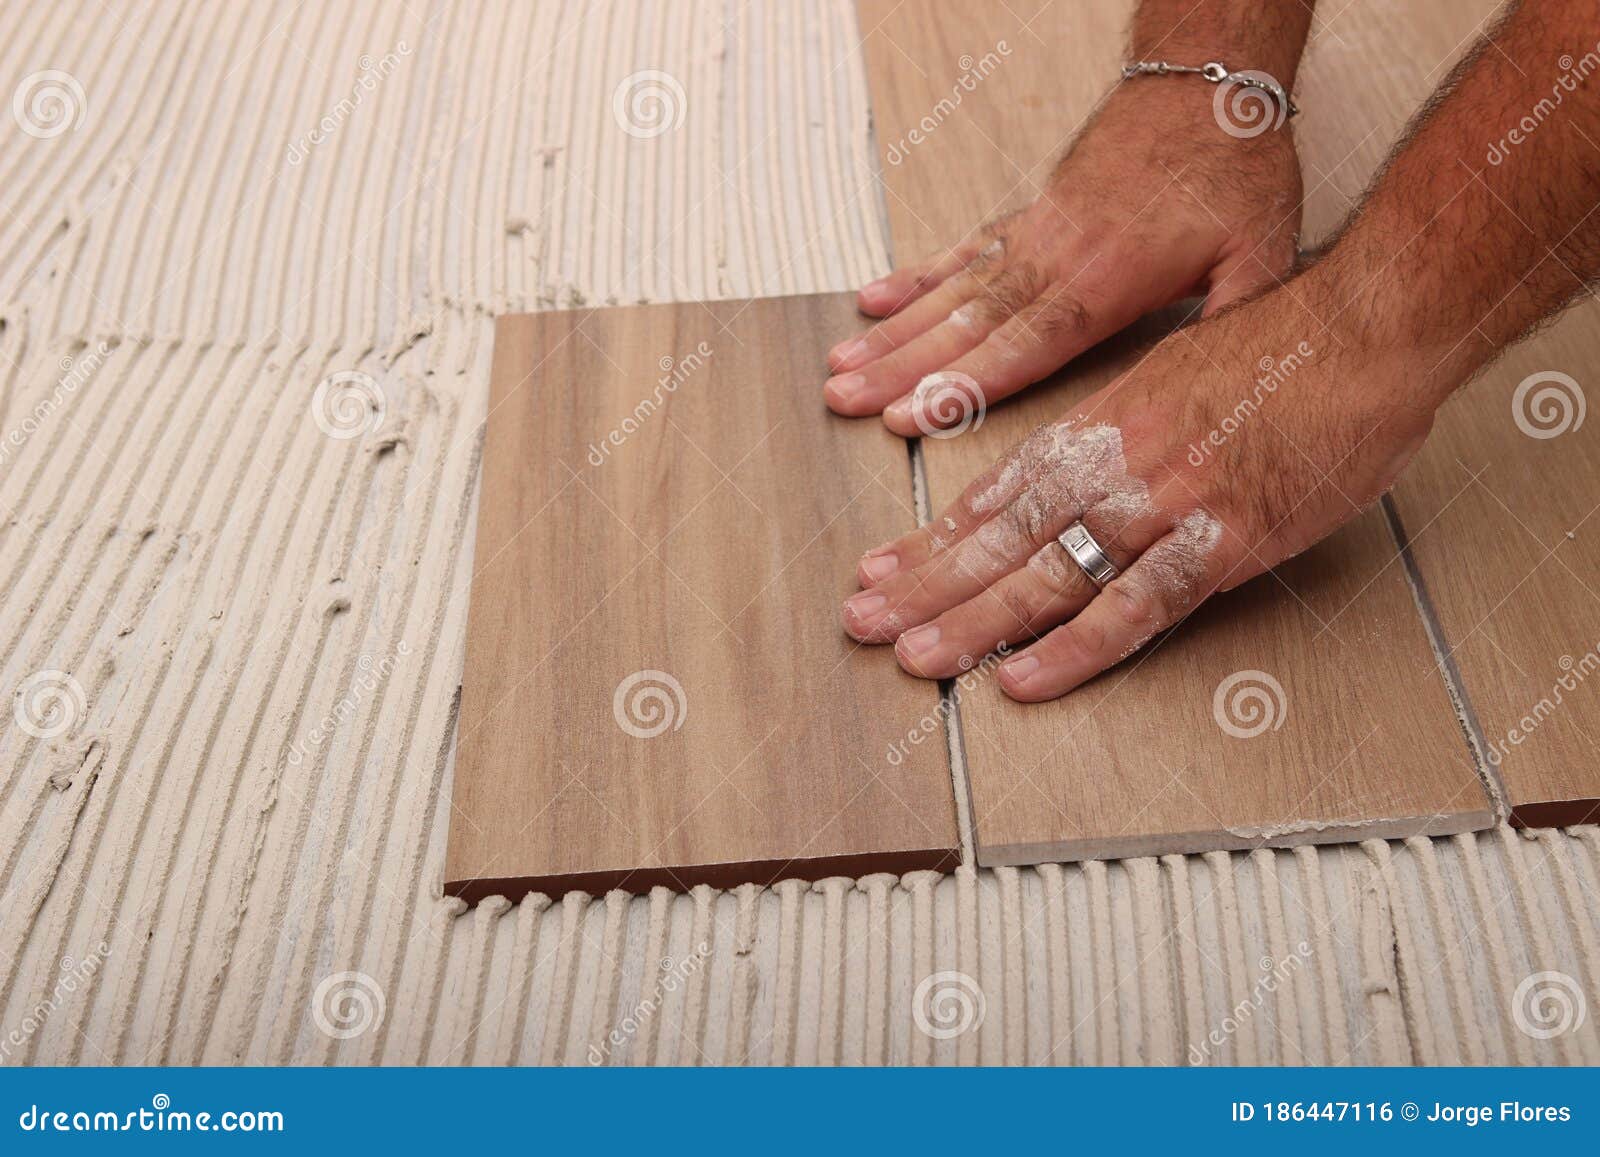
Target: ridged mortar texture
225	879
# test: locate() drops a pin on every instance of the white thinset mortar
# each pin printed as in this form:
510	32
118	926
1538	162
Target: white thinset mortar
212	568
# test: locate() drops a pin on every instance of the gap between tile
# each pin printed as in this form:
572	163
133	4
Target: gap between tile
950	704
1454	685
949	701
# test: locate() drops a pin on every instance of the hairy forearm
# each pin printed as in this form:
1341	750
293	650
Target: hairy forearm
1259	35
1485	221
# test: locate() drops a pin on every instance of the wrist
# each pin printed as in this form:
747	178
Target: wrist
1375	312
1174	121
1262	38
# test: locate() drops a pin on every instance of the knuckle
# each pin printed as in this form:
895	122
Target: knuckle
999	228
1134	604
993	547
1021	521
989	258
978	501
1063	320
973	506
1034	517
966	283
990	309
1051	567
1015	602
1080	641
937	537
897	366
1009	292
1109	518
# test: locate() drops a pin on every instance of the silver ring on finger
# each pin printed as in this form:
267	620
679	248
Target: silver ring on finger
1085	551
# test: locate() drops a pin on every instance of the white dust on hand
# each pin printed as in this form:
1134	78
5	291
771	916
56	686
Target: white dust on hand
963	316
1058	467
1172	572
1061	469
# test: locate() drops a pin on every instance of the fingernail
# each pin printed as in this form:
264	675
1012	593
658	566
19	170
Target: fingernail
920	641
878	565
1019	669
848	354
843	387
899	408
866	606
876	288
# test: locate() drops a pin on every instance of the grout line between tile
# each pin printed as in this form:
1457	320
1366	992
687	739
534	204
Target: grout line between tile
921	501
1455	686
949	697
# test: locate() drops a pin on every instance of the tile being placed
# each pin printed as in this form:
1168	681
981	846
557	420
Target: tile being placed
657	689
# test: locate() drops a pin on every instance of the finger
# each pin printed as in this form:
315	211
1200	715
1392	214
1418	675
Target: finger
876	384
1164	584
1046	592
1000	297
890	334
999	545
1047	478
911	550
951	303
901	287
1038	340
957	522
1021	607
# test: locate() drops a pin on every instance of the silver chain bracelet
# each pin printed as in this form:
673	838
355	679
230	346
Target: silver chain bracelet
1217	73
